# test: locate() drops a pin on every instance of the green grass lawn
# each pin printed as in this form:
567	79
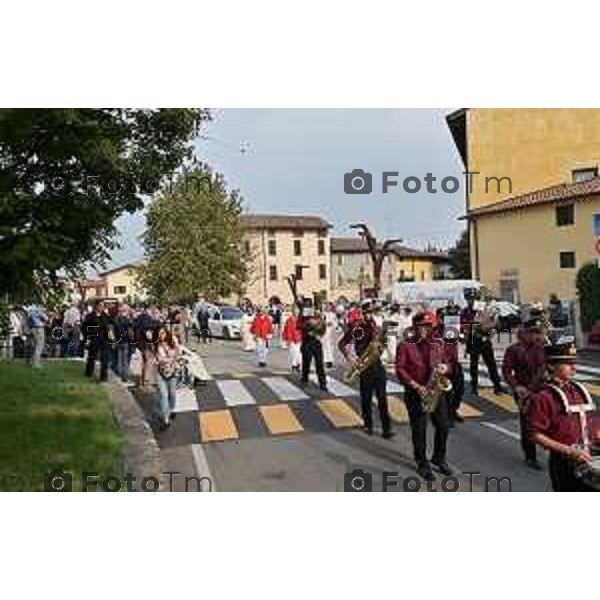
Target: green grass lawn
52	418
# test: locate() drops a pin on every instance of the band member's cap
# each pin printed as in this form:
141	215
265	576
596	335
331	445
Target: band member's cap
563	351
423	318
368	306
534	324
533	319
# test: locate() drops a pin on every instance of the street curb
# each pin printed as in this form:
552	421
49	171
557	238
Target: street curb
142	453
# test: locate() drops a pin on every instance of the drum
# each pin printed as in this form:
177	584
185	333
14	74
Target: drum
589	473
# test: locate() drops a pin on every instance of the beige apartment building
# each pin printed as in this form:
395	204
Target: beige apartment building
352	267
279	245
119	283
529	239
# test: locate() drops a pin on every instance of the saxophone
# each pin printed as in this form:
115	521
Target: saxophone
438	384
369	357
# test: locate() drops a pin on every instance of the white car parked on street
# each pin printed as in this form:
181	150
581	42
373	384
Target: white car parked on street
225	321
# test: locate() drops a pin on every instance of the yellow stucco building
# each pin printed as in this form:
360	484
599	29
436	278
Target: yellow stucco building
122	283
352	267
532	202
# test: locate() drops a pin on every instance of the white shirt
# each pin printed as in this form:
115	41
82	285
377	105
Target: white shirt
72	317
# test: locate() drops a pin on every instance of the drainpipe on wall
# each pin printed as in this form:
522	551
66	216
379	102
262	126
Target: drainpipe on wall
265	274
475	259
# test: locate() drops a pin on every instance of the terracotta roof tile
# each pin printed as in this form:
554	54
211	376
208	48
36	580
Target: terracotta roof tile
359	244
283	222
555	193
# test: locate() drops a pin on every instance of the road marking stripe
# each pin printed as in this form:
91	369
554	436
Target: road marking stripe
482	380
241	375
467	411
588	368
284	389
279	419
186	400
585	377
281	371
593	389
201	464
399	413
503	401
508	432
394	388
217	425
337	388
234	392
339	413
397	409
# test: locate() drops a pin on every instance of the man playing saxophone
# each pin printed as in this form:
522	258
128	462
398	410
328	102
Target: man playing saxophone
424	361
366	337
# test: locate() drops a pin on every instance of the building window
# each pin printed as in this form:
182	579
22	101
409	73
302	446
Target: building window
567	260
298	271
272	247
297	248
565	215
422	275
120	289
580	175
340	259
340	280
321	247
246	247
322	271
273	272
402	275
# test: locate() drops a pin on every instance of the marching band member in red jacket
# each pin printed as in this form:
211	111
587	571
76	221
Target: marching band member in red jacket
262	330
415	360
524	369
563	419
292	336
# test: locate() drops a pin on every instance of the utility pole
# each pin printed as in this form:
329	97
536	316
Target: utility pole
377	251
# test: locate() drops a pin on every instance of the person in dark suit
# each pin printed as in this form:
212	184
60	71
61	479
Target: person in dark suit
96	327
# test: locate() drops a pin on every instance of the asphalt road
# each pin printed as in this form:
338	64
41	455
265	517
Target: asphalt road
271	441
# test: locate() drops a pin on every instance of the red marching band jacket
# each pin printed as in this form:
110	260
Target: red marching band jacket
414	361
261	326
291	333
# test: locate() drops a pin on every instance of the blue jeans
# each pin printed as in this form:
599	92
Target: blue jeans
168	390
123	362
73	342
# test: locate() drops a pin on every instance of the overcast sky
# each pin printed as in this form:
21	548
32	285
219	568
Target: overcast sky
295	161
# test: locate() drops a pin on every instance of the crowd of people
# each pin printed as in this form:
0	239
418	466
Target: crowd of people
142	345
423	345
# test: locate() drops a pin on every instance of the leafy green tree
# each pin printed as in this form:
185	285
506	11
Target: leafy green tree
588	290
193	240
67	174
4	319
460	257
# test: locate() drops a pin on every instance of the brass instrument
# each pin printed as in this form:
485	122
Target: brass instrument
438	384
369	357
589	472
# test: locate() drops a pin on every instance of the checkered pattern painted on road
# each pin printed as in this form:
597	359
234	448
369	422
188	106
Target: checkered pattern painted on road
273	403
230	409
